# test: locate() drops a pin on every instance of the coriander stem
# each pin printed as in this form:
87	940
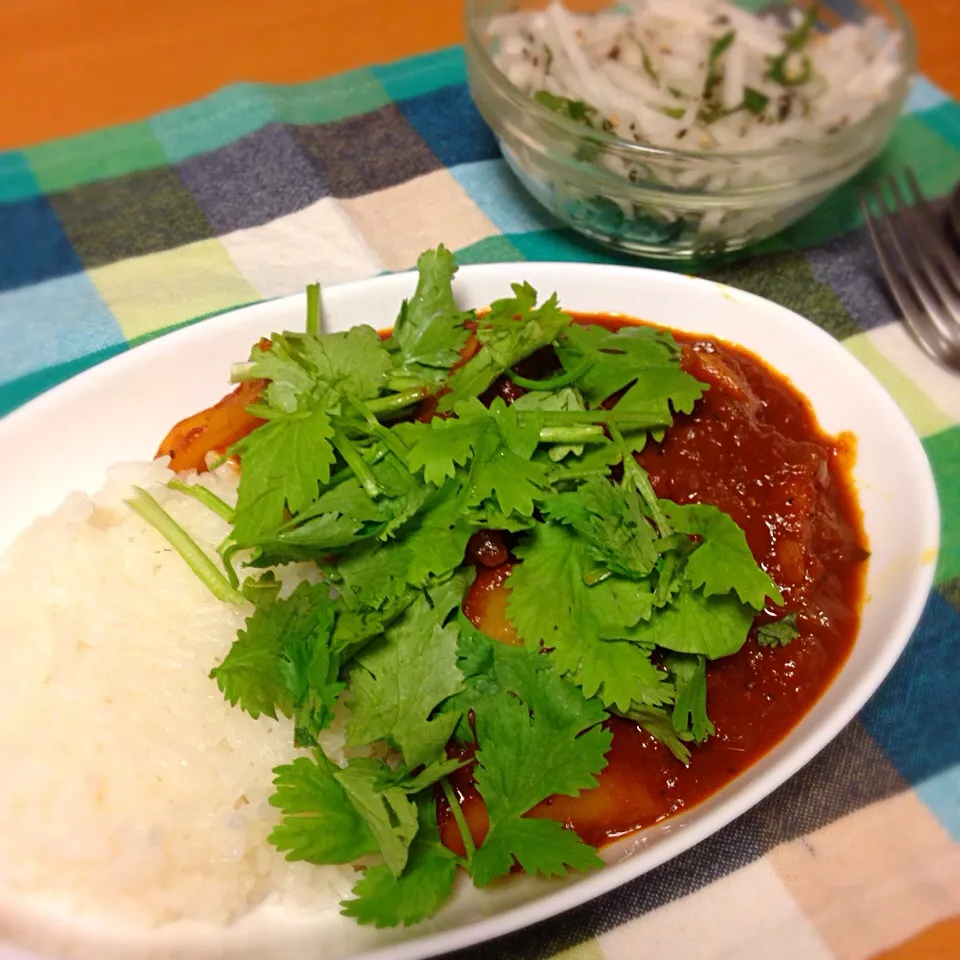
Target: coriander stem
207	497
241	371
151	511
392	442
403	381
642	421
373	428
355	461
363	409
313	308
666	575
225	551
573	434
641	481
468	845
397	401
371	457
552	383
384	405
565	473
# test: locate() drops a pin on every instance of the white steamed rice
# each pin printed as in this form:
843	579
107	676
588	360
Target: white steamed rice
130	790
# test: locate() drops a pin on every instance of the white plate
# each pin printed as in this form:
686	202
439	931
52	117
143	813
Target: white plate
122	409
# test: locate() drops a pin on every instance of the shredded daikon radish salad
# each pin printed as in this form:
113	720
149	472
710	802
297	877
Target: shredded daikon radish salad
699	74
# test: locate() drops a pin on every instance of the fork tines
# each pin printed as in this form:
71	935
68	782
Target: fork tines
923	271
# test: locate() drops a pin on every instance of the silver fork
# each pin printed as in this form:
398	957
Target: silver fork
921	268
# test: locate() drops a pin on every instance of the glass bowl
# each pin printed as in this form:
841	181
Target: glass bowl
667	203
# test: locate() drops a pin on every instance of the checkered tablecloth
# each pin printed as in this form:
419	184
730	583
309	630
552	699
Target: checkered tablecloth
120	235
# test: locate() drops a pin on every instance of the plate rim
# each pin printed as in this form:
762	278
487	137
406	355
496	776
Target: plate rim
614	875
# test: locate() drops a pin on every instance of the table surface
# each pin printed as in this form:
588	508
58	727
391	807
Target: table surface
67	67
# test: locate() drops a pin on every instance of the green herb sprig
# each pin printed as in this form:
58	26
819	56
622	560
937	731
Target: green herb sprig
620	598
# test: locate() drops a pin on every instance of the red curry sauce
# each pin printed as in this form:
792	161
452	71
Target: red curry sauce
751	447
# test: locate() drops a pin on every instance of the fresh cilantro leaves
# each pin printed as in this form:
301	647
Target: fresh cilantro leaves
778	633
523	760
494	446
386	808
659	723
398	681
337	814
611	520
320	823
552	606
597	572
493	670
514	328
437	448
285	463
621	599
283	661
573	109
723	561
643	355
302	368
622	674
690	709
559	399
691	623
383	899
430	330
537	736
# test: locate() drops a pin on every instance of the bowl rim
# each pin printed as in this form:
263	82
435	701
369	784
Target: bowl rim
474	46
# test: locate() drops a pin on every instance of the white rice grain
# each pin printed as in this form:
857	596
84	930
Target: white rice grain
131	792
